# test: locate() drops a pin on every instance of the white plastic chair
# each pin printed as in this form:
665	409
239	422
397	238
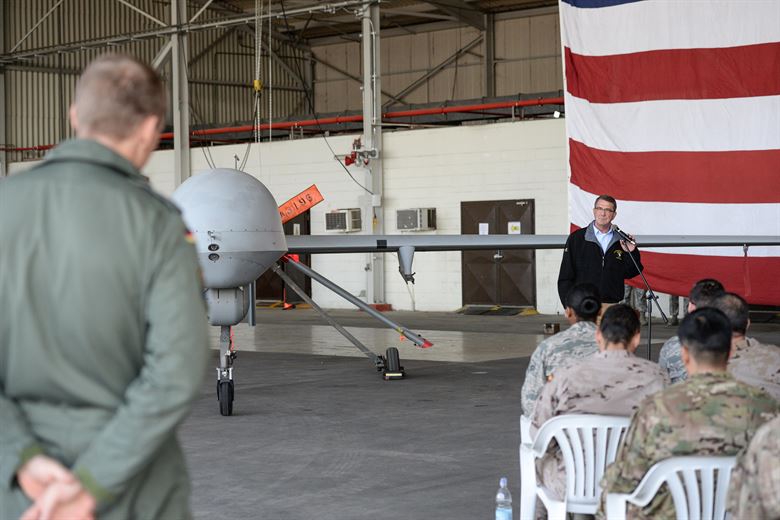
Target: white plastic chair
588	443
525	429
698	486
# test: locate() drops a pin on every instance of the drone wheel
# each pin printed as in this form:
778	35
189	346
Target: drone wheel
393	363
225	396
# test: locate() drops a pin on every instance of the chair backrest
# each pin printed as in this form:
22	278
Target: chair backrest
698	485
525	429
588	444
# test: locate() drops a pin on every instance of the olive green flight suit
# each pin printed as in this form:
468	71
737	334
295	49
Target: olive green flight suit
103	332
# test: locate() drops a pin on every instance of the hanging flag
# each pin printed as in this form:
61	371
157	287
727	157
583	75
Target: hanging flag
673	108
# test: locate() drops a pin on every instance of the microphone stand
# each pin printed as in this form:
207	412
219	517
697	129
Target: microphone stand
650	295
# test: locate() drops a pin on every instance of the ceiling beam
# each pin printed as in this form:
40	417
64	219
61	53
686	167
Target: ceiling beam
461	10
77	46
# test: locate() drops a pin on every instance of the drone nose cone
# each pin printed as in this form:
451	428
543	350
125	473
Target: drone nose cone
236	223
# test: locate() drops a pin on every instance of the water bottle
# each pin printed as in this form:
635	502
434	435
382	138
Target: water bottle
503	501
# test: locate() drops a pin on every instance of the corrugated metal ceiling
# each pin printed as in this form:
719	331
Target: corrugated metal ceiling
394	13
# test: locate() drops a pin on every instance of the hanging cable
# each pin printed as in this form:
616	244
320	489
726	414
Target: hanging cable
270	77
257	84
206	149
457	58
310	102
258	54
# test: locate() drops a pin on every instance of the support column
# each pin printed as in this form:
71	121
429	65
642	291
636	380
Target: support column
180	105
372	142
3	115
490	56
3	120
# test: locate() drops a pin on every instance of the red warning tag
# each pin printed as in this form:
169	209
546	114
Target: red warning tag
302	202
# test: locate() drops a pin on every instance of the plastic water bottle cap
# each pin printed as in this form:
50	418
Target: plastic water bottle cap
502	482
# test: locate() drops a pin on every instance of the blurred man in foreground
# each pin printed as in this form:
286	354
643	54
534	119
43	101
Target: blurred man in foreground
103	342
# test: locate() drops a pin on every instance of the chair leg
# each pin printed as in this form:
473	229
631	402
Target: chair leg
527	504
556	511
527	485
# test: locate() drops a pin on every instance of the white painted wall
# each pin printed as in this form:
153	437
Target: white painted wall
19	167
423	168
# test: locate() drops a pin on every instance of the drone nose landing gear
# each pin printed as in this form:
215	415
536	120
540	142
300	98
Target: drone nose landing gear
225	388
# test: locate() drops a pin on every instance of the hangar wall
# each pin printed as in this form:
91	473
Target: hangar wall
423	168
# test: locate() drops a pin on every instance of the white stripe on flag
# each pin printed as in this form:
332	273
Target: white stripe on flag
696	125
682	24
675	218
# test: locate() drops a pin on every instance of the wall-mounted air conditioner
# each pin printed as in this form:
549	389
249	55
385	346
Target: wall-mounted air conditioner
416	219
343	220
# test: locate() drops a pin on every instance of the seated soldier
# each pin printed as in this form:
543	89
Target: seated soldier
612	381
701	295
582	308
754	491
751	362
710	413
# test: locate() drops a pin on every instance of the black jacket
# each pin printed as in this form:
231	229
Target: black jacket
584	261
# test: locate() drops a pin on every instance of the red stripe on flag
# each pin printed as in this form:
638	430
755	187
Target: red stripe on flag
676	274
706	177
729	72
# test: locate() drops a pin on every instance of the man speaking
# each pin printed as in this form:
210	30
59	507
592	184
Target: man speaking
597	254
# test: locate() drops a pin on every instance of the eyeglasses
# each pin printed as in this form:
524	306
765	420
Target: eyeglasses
605	210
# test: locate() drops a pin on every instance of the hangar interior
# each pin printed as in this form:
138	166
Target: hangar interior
449	110
471	92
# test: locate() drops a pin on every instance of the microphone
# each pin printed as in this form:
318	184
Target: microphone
625	236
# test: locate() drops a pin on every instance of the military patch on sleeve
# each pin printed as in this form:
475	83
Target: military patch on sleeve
189	237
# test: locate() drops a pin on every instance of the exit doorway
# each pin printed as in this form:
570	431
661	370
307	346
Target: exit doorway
499	277
270	286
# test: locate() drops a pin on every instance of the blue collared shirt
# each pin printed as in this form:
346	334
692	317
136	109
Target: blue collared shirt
604	238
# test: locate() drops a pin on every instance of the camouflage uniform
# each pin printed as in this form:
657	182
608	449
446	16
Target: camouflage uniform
671	362
757	364
755	482
709	414
576	342
613	382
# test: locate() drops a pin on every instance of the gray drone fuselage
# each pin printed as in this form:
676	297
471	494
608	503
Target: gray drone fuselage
238	235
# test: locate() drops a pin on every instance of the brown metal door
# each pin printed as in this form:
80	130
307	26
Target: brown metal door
270	286
498	277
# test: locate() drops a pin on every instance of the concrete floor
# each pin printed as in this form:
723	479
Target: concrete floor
316	432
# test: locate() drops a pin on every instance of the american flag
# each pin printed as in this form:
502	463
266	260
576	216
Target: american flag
673	108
